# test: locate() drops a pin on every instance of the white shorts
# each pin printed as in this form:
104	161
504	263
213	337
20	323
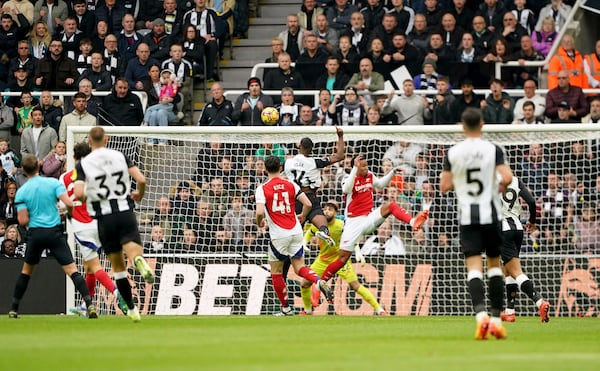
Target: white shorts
355	227
291	246
86	237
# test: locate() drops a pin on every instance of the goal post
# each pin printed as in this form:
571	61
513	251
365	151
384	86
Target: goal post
200	186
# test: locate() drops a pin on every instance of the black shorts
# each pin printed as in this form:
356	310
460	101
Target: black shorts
511	246
117	229
316	206
479	238
53	239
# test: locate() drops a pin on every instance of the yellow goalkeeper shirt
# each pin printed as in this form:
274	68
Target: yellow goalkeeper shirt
327	253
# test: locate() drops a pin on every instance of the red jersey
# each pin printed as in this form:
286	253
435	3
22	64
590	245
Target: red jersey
359	201
80	212
279	197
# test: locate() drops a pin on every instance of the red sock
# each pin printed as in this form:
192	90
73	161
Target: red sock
308	273
280	288
332	269
399	213
90	282
105	280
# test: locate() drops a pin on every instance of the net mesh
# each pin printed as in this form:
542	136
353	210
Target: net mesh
210	257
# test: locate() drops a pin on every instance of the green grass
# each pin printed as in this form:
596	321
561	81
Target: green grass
294	343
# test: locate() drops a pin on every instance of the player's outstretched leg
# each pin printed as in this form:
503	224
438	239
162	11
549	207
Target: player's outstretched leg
142	266
281	291
404	216
527	287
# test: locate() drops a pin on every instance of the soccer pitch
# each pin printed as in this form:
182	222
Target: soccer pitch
295	343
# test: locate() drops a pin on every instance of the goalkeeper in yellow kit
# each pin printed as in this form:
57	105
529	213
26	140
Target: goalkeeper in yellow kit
328	254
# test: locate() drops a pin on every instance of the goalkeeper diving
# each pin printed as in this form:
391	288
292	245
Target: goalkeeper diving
329	253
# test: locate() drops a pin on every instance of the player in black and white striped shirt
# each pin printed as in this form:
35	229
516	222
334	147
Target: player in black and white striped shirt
472	168
103	180
512	231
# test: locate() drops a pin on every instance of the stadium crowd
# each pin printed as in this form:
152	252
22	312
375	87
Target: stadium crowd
123	46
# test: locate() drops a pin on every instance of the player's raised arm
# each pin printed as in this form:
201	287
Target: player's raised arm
340	147
348	183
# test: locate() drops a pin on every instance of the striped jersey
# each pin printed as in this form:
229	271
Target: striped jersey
511	205
108	185
305	171
279	197
472	163
80	212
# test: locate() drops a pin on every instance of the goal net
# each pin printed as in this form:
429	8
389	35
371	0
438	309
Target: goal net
198	226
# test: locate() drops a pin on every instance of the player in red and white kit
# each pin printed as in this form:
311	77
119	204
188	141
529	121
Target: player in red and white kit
275	207
361	219
85	231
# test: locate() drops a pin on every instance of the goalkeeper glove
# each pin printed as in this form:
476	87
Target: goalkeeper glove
360	258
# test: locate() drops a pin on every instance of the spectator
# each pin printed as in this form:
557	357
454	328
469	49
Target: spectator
162	215
594	116
292	37
13	232
271	149
162	113
586	229
158	40
55	71
148	12
24	59
566	91
70	37
8	210
463	14
208	163
128	39
591	65
384	242
189	241
428	79
17	7
544	38
409	107
52	110
451	33
321	111
289	110
311	63
99	35
347	56
136	72
366	79
86	20
8	249
467	57
327	37
404	54
158	243
277	48
385	31
113	61
112	13
10	34
193	49
419	36
251	242
39	40
563	116
248	106
533	168
237	216
440	53
24	119
372	13
78	117
440	107
7	121
207	30
83	60
53	165
45	141
555	214
173	19
224	21
482	36
358	34
499	53
307	16
204	224
405	16
525	54
92	102
332	78
433	14
351	110
467	99
339	14
183	70
512	32
492	11
498	106
570	60
527	116
219	111
121	107
283	76
183	199
22	82
96	73
306	117
558	10
529	87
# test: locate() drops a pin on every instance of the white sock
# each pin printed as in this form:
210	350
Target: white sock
480	316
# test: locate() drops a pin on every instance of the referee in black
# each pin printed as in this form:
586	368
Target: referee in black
36	207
